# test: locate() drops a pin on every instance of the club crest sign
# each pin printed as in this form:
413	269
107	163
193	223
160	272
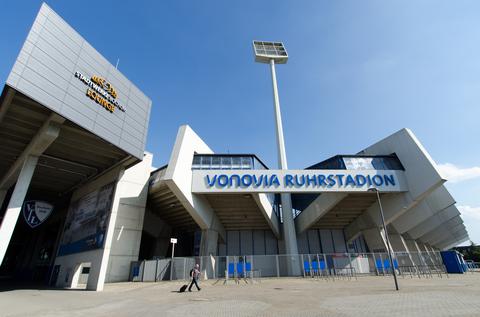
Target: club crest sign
36	212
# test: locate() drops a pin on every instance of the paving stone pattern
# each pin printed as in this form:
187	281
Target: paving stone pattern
458	295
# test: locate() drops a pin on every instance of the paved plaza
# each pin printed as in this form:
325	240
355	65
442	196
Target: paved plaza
367	296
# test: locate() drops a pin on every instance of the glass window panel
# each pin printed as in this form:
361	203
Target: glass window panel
215	162
196	162
358	163
236	162
226	162
392	163
246	162
206	162
258	165
378	163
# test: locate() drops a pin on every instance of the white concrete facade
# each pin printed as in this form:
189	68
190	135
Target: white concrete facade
418	212
122	243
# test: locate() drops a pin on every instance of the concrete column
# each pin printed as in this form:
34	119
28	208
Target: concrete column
425	251
209	242
399	245
16	202
208	251
414	251
374	240
396	240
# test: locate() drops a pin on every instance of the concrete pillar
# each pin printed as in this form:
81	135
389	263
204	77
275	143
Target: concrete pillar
399	245
16	202
208	251
209	242
396	240
414	251
96	276
374	240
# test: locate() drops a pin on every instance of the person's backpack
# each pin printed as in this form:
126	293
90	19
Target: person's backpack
191	272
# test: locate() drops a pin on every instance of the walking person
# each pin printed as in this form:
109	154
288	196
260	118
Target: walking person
194	274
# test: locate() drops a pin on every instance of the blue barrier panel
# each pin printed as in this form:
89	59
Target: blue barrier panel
386	264
378	264
240	268
306	266
231	269
322	265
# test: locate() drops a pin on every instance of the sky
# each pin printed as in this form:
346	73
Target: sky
357	72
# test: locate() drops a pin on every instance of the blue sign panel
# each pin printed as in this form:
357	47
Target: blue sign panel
278	181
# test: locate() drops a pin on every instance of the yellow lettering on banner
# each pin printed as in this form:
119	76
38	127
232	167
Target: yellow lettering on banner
98	80
100	100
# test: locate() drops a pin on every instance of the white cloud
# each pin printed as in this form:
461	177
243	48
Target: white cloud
471	218
470	212
457	174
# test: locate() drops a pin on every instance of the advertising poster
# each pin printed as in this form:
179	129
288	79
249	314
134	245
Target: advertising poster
87	221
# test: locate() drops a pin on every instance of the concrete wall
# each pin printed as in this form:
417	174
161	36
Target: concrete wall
321	241
249	242
112	262
132	190
69	264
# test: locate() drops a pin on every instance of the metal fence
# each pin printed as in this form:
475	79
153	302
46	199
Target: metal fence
333	265
473	266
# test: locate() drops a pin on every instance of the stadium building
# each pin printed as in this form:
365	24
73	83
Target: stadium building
80	201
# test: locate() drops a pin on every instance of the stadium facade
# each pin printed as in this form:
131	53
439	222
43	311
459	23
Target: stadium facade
80	200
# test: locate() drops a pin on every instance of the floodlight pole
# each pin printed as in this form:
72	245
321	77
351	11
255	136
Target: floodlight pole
387	240
289	233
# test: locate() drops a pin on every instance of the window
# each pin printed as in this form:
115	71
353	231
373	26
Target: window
215	162
236	162
197	162
226	162
247	162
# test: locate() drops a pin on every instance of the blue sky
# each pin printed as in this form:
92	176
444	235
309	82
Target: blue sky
358	71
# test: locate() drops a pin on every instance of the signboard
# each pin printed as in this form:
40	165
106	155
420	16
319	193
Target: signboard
36	212
296	181
173	240
60	70
101	91
87	220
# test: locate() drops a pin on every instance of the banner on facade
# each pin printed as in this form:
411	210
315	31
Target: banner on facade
296	181
87	221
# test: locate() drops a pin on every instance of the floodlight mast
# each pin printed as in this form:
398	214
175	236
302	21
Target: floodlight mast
271	52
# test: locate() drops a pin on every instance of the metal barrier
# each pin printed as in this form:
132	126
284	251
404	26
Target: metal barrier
473	267
250	268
